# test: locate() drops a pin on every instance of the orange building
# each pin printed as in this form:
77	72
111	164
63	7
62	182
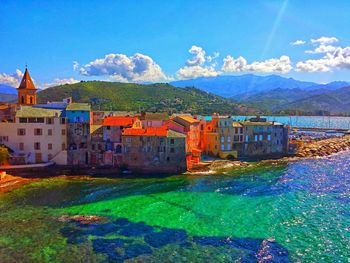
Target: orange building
191	127
26	90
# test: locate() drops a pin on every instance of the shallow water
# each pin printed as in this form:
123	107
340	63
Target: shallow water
296	212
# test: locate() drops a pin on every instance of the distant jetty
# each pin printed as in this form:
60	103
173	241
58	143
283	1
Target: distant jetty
324	147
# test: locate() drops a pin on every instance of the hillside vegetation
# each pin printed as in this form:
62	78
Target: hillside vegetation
134	97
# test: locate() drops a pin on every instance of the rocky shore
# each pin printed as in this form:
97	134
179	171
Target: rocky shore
323	148
10	182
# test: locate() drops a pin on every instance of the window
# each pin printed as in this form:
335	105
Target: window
40	120
21	132
128	139
108	127
37	146
246	138
49	146
49	120
172	150
228	139
63	120
229	147
269	137
63	146
63	131
260	137
172	141
23	120
222	139
222	147
4	138
49	132
21	146
256	138
38	132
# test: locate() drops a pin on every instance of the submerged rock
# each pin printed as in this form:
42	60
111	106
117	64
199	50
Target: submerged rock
83	219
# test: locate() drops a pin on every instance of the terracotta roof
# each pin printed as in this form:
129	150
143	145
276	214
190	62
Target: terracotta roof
27	82
187	119
150	131
118	121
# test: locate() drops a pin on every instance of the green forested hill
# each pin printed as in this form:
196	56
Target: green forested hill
133	97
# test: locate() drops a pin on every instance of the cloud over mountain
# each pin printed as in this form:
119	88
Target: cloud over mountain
57	82
333	57
11	79
279	65
199	65
136	68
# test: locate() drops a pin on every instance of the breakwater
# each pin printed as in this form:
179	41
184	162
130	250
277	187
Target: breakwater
323	147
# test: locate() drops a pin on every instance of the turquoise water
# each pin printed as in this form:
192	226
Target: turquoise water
295	212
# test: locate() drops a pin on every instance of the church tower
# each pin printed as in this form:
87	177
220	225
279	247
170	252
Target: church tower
26	90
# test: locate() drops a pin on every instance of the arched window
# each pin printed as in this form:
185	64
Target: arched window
22	99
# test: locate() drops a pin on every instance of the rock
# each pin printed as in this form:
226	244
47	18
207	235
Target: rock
82	219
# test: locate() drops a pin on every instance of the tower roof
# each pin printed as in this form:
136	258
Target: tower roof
27	82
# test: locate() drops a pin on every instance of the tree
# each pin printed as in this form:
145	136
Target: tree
4	154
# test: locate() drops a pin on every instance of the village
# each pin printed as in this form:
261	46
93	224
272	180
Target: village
67	133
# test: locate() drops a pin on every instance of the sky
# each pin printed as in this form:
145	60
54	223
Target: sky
160	41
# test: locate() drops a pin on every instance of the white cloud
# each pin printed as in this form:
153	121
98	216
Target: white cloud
321	49
213	57
198	58
199	65
324	40
313	65
334	57
279	65
75	65
136	68
195	72
234	65
11	79
298	43
57	82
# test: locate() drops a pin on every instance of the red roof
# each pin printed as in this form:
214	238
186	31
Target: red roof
118	121
150	131
27	82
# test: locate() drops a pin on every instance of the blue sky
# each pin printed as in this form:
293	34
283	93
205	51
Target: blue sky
251	36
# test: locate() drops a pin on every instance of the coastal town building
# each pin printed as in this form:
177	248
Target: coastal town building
154	149
36	135
78	130
191	128
69	133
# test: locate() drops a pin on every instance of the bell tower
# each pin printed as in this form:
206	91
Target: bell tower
26	90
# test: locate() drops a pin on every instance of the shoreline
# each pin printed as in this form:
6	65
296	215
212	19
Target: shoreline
315	149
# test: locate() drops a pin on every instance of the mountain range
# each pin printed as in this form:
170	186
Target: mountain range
249	84
277	95
134	97
256	94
